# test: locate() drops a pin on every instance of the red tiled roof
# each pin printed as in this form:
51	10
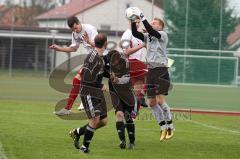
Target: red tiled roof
233	37
70	9
2	8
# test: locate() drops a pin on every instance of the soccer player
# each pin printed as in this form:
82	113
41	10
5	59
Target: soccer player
92	95
158	79
81	34
135	50
123	97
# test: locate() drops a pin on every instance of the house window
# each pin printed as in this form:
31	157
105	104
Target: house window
105	27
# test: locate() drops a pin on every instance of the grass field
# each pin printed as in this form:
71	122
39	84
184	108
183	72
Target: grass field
29	130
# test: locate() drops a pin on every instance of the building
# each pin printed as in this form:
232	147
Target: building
104	14
27	47
17	15
234	41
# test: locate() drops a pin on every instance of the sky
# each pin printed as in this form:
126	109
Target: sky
236	5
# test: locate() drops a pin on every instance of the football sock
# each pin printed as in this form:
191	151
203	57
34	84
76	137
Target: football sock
157	113
73	94
121	130
82	129
131	131
166	112
170	124
162	125
89	132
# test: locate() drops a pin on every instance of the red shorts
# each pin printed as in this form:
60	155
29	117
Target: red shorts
138	70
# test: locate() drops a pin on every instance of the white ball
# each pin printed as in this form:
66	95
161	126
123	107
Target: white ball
130	14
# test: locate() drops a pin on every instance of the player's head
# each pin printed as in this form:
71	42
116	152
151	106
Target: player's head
137	20
100	41
74	24
114	57
157	24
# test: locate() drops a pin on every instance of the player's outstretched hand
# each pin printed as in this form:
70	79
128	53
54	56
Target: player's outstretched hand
54	47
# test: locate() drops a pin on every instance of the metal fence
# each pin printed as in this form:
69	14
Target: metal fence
213	60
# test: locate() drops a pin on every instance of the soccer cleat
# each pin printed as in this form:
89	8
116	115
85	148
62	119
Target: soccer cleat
169	133
122	145
76	137
84	149
163	134
131	146
62	112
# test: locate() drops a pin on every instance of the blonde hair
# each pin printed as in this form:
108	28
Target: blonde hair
160	21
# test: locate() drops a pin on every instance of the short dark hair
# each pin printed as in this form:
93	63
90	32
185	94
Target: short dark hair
72	20
113	55
100	40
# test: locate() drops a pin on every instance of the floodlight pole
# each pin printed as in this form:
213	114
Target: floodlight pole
53	33
185	42
220	41
11	48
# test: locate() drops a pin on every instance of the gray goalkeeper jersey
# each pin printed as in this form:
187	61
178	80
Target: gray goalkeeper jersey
156	50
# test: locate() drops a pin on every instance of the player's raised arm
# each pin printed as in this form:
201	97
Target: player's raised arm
62	49
129	51
135	32
148	27
127	43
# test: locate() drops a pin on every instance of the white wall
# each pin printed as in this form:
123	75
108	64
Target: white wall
53	23
110	12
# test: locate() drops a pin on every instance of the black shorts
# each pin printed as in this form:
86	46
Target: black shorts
123	98
93	101
158	82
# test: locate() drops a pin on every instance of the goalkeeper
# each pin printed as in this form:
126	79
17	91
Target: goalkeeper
158	79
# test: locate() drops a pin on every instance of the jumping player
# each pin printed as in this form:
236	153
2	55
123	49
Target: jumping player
81	34
158	79
135	50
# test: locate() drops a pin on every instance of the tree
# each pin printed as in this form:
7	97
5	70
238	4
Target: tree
206	21
203	23
24	12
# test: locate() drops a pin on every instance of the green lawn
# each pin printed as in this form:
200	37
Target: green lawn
28	129
182	96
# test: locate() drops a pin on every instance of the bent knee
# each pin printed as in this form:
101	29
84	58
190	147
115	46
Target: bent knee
152	102
120	116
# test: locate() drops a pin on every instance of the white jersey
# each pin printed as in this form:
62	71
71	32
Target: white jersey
129	41
77	38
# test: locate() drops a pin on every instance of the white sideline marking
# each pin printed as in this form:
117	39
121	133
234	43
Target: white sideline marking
2	155
214	127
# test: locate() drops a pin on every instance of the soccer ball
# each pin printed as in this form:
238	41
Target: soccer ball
130	14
